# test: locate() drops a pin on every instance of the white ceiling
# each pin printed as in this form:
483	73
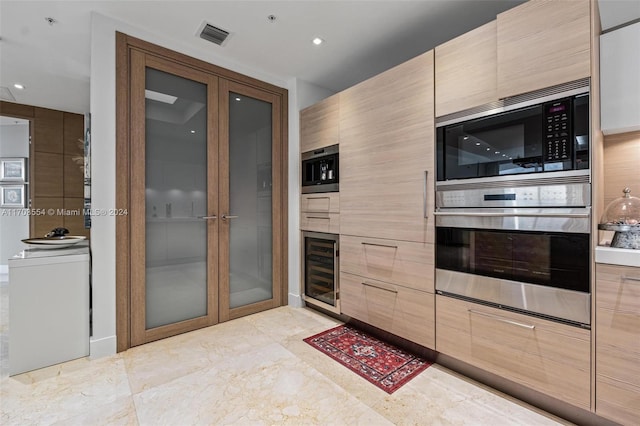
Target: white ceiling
362	38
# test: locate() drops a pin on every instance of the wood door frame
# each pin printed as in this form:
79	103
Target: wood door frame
125	44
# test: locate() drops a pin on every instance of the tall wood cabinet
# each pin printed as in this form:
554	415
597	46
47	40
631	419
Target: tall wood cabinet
617	343
387	154
319	124
543	43
533	46
465	70
386	181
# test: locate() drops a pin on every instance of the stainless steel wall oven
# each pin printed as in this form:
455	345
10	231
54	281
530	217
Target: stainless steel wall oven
321	270
519	240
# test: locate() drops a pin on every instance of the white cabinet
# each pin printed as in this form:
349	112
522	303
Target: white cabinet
620	79
48	307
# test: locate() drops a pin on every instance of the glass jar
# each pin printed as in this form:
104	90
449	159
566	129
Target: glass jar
622	215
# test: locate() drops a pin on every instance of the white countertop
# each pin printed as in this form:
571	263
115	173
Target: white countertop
49	255
618	256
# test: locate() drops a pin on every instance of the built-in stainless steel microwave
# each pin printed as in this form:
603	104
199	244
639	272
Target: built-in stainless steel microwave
537	133
320	170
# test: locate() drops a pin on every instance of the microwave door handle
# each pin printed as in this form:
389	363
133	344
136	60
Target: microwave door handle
523	214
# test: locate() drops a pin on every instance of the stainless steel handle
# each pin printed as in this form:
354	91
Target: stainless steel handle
379	245
380	287
519	214
424	195
630	279
318	217
208	217
225	217
501	319
317	198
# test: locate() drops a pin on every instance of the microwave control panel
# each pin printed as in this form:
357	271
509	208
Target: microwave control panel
557	131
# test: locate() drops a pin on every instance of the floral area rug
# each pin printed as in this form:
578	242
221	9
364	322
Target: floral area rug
384	365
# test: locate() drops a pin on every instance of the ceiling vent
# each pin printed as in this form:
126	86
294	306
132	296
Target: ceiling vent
214	34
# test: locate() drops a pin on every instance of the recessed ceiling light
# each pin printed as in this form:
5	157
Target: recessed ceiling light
317	41
193	131
160	97
488	149
272	18
477	143
497	152
18	86
238	98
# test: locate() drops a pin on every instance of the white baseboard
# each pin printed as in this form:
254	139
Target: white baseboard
105	346
295	301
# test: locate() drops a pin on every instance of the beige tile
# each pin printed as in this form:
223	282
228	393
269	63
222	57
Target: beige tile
121	412
265	386
47	399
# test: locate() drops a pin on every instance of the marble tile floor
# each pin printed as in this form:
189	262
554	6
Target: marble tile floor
254	370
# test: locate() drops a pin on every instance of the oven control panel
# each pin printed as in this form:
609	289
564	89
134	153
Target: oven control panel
557	131
566	195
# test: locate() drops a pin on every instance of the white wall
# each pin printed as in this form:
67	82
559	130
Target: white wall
103	121
14	142
301	95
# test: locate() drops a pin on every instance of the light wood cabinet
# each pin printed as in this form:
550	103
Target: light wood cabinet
618	343
320	222
320	212
328	202
465	70
401	262
319	124
386	154
546	356
405	312
541	44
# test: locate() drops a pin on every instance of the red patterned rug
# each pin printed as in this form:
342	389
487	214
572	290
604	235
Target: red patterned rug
380	363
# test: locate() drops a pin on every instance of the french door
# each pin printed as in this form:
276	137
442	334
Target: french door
204	226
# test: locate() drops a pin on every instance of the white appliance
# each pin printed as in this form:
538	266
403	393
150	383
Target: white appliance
48	307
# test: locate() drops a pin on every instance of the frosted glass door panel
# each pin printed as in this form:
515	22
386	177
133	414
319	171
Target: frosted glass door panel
250	201
175	198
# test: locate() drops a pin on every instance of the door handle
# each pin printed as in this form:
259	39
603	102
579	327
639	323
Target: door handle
225	217
207	217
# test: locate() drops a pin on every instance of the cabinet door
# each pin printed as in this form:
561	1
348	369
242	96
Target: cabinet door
405	312
386	154
405	263
620	79
543	43
618	343
319	124
466	71
552	358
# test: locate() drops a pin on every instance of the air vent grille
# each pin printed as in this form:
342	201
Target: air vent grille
214	34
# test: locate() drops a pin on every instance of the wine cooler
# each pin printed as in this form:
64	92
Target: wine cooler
321	270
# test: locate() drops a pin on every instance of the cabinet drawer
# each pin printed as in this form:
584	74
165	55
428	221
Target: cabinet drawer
618	287
549	357
399	310
617	400
405	263
320	222
326	202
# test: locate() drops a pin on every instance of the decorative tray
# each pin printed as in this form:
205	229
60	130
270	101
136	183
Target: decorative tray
54	242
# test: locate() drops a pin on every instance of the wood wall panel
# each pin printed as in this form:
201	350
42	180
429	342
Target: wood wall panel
46	222
49	131
73	182
73	134
48	172
621	160
74	221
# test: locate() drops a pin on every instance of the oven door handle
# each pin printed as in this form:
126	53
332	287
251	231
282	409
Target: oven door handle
501	319
519	214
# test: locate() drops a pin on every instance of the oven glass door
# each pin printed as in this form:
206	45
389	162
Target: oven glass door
559	260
